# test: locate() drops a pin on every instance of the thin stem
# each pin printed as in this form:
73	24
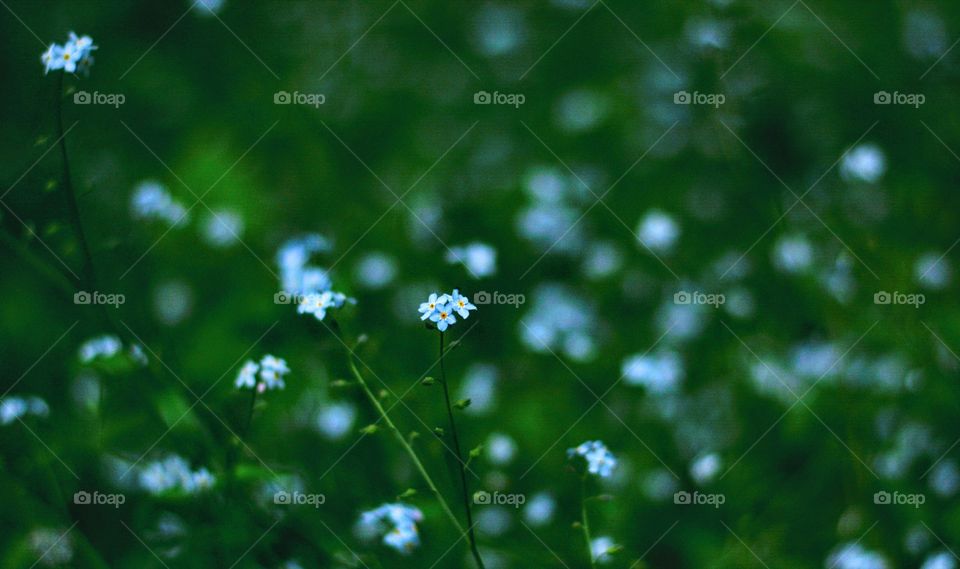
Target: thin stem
88	275
460	464
584	521
403	442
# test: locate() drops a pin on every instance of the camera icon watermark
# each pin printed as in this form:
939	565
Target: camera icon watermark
84	498
95	297
484	498
296	498
697	98
897	98
498	98
97	98
496	297
298	98
896	297
685	498
697	297
885	498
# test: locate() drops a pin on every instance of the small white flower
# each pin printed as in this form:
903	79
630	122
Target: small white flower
430	306
600	461
443	317
461	304
52	58
600	547
318	303
272	370
399	521
248	375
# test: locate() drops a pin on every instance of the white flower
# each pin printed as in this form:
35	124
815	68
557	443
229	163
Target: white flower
52	58
317	304
73	55
248	375
600	461
430	306
658	231
399	521
443	317
100	347
599	548
480	259
461	304
173	473
272	370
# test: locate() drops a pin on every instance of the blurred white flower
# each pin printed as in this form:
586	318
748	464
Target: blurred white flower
600	547
376	270
208	7
600	461
52	547
705	468
173	474
480	259
932	271
855	556
336	419
792	254
223	228
173	301
501	449
658	231
104	347
13	407
865	163
659	373
150	200
540	509
396	522
939	560
247	378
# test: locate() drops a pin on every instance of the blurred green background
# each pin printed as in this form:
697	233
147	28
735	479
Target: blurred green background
599	199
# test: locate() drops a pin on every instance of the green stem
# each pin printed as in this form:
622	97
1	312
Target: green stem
460	464
403	442
584	521
88	278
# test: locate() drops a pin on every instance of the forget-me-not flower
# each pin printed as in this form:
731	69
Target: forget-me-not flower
71	56
430	306
443	317
268	374
461	304
442	308
399	521
318	303
600	460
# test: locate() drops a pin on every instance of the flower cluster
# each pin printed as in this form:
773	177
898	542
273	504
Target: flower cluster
72	56
399	520
268	374
308	283
442	309
13	408
600	461
174	474
318	303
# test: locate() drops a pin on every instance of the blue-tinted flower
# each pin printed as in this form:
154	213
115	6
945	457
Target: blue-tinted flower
248	375
428	308
397	522
317	304
461	304
443	316
52	58
272	370
600	461
71	56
